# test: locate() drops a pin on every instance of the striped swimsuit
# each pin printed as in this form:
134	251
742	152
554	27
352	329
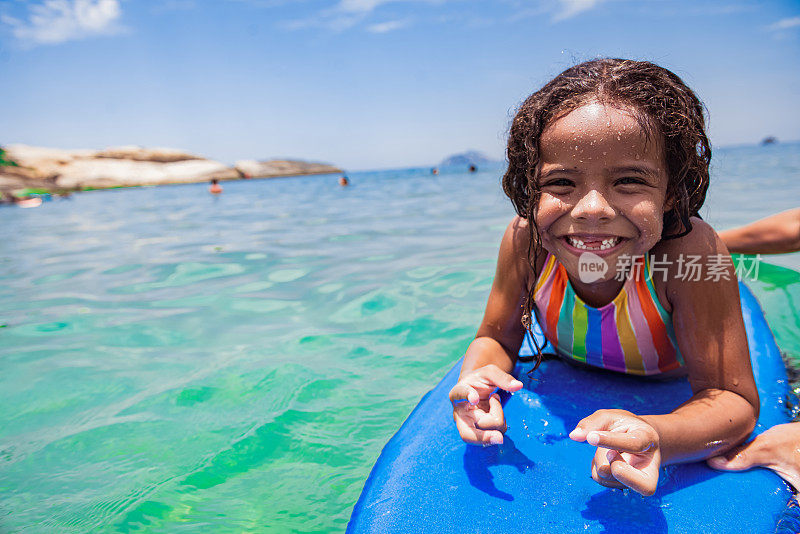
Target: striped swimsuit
631	334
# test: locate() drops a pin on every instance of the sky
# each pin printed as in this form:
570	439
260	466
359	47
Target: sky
367	84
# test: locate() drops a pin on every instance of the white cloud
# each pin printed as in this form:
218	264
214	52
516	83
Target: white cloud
570	8
56	21
384	27
348	13
359	6
785	24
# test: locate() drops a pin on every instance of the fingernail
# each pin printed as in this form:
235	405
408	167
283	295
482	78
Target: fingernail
496	440
593	438
516	383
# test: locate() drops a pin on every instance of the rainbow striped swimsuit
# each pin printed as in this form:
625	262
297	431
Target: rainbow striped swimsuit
631	334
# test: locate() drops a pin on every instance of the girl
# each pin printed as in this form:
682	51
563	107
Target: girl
608	167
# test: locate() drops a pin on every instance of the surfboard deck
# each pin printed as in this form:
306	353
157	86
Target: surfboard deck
428	480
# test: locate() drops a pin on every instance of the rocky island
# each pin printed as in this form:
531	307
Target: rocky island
62	171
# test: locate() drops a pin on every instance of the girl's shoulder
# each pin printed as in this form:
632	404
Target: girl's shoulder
515	248
702	240
699	256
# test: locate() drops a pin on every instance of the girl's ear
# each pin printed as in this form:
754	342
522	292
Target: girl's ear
669	203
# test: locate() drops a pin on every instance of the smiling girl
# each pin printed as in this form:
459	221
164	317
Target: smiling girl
608	166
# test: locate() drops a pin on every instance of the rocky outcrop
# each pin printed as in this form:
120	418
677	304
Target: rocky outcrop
157	155
69	170
279	167
115	167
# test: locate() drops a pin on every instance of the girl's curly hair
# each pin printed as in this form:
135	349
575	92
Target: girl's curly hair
666	109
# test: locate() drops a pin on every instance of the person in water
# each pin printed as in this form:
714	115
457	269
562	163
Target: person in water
344	181
776	234
777	448
608	166
215	188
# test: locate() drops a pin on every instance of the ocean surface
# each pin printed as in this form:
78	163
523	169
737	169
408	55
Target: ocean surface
172	361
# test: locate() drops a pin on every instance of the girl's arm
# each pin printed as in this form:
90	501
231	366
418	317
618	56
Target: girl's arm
491	356
501	332
723	409
707	318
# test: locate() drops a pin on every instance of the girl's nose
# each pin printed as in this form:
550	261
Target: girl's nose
593	206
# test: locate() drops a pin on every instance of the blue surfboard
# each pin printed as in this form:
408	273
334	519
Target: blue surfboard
428	480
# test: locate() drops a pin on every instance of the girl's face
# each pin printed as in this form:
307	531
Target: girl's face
603	186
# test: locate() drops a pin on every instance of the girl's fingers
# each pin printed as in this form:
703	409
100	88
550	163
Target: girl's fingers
601	473
634	441
463	392
473	435
599	420
494	420
500	378
636	479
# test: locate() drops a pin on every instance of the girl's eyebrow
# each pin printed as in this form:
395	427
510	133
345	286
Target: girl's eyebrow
550	172
641	169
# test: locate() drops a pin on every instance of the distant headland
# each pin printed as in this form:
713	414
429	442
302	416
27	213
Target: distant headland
53	170
470	157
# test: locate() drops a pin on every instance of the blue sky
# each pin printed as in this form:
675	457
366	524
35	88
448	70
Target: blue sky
366	84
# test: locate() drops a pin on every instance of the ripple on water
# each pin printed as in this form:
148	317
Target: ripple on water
253	287
58	277
378	304
261	305
287	275
187	274
330	288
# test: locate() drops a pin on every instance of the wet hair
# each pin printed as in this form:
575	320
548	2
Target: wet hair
666	109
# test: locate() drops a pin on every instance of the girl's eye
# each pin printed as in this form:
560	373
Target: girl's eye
628	180
559	182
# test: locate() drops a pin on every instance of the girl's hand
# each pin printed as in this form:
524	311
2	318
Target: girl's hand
476	407
628	452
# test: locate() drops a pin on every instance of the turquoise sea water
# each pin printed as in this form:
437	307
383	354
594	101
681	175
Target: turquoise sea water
172	361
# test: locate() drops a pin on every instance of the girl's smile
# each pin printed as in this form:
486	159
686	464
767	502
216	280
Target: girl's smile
603	187
601	245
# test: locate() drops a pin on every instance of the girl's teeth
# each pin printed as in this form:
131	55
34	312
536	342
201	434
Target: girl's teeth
604	244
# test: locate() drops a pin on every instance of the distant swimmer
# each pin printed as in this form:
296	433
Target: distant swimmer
434	171
215	188
343	181
472	168
30	202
